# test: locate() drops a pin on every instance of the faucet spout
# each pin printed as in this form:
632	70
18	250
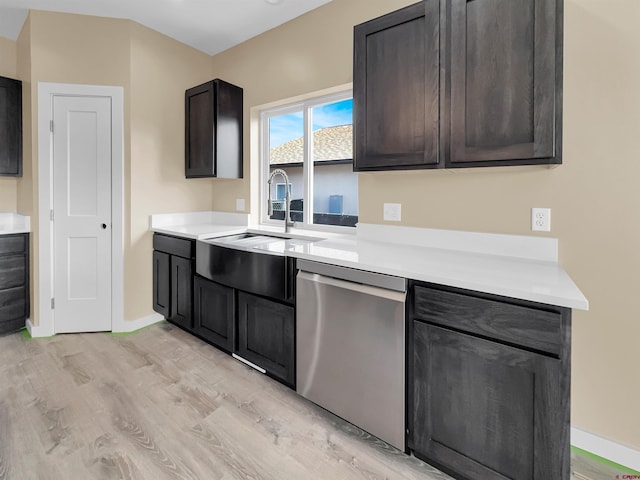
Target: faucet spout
287	202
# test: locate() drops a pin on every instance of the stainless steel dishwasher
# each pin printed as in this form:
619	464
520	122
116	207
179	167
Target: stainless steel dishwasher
350	346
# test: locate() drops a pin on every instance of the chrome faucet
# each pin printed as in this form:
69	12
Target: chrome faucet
287	198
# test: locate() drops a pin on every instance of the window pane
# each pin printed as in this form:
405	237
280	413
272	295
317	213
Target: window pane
286	135
335	185
286	151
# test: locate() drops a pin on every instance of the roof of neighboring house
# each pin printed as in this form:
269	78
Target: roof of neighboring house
330	143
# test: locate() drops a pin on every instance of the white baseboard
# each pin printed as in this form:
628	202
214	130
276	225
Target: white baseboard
39	331
606	449
124	327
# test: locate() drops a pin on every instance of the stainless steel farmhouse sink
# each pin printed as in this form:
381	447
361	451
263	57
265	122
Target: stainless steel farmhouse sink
247	269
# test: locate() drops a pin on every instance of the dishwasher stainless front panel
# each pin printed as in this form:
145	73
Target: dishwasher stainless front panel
351	354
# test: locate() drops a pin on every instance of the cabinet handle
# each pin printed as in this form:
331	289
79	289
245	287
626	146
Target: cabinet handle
104	226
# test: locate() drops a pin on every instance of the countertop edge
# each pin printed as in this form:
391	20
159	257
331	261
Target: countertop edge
575	301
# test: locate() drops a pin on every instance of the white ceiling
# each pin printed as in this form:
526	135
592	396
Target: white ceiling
207	25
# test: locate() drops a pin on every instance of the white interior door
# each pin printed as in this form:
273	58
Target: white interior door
82	213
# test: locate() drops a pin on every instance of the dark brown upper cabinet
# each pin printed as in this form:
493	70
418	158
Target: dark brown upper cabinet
213	130
505	81
396	89
459	83
10	127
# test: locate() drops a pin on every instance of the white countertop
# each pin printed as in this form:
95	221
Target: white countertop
11	223
514	266
199	225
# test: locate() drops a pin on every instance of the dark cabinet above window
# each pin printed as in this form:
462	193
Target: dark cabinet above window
213	130
459	83
10	127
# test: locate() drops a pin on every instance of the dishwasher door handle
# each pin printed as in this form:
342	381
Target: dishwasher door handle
356	287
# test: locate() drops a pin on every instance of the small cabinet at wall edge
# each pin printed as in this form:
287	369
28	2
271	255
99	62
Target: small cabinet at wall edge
10	127
14	281
213	130
458	83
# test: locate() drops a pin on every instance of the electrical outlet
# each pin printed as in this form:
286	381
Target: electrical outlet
392	212
541	219
240	204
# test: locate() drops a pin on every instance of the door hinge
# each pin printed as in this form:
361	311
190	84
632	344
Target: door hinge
51	215
51	125
53	303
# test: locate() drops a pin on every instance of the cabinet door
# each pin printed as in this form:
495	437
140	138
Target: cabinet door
161	283
396	89
505	77
486	411
199	131
214	313
213	130
266	336
181	292
10	127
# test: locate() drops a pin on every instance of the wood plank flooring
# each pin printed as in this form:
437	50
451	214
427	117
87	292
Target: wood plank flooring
161	404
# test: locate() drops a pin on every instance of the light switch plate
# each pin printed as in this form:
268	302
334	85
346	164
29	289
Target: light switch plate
392	212
240	204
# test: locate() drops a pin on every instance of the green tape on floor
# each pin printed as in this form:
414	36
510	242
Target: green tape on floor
609	463
25	333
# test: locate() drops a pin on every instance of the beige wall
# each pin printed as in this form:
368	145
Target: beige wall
8	68
154	71
8	56
25	183
593	195
161	70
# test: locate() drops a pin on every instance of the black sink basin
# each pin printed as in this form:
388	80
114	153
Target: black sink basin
271	276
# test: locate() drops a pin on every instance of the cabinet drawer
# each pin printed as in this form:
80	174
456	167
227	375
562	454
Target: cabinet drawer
12	244
13	271
13	304
181	247
518	325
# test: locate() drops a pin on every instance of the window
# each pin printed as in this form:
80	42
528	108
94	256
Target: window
312	141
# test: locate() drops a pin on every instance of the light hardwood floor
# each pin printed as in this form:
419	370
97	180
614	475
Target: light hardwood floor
159	404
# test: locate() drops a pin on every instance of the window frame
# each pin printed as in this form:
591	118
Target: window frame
283	108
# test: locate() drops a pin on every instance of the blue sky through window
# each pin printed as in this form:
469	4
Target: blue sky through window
284	128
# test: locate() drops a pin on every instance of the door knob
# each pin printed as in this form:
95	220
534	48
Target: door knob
104	226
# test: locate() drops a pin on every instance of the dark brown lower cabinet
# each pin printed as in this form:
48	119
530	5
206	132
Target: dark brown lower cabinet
482	408
173	270
14	281
214	313
266	335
